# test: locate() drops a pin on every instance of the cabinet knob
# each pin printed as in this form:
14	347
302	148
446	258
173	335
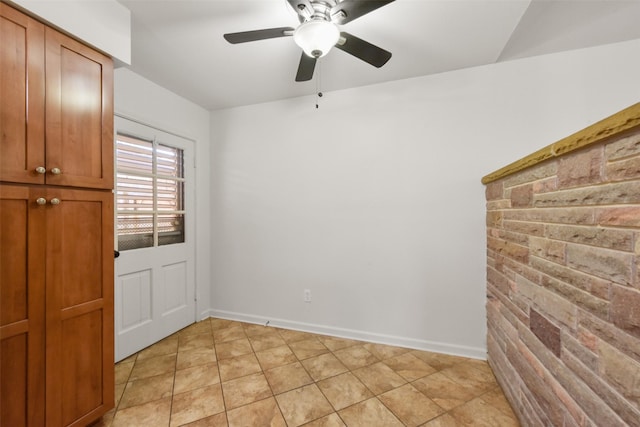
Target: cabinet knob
55	201
41	170
41	201
56	171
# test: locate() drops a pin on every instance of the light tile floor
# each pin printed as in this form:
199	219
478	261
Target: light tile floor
225	373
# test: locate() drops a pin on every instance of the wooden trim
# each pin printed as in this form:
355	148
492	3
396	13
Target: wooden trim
622	121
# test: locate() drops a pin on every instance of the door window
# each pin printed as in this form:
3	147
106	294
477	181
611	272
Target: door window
150	187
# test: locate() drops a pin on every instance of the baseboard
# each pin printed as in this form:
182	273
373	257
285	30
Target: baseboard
433	346
205	314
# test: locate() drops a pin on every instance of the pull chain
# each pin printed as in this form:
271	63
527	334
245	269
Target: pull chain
318	75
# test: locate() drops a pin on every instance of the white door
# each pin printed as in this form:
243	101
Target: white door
155	275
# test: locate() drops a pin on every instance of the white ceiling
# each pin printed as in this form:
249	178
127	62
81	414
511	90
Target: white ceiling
178	43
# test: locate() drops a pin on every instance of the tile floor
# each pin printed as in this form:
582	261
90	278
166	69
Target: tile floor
225	373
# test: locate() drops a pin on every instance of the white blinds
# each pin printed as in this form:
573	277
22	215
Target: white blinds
149	193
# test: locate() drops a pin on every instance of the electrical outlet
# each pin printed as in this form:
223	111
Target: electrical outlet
307	295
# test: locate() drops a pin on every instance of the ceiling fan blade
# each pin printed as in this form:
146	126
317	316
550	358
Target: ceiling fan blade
306	67
364	50
250	36
303	8
348	10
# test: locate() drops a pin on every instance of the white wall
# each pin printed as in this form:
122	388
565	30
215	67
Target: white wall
374	201
103	24
144	101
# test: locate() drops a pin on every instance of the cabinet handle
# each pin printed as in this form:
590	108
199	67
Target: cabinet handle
41	170
41	201
56	171
55	201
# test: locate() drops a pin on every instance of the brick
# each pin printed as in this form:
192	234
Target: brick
624	216
491	262
587	339
521	196
531	413
619	193
636	267
569	421
529	228
604	263
519	238
574	278
494	219
622	372
625	309
534	173
580	168
623	147
508	249
582	299
521	269
520	301
555	306
494	190
574	215
510	312
497	205
502	329
545	330
495	322
581	352
545	185
613	335
610	397
621	240
494	232
548	249
623	169
498	280
601	289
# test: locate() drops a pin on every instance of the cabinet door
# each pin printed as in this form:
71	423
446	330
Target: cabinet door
22	280
22	97
79	114
79	306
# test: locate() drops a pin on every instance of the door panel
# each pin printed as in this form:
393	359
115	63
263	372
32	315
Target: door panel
79	366
22	285
135	300
155	286
79	114
82	282
14	376
81	371
22	89
174	285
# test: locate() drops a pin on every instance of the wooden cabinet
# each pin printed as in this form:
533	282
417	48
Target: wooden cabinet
22	100
56	305
79	305
22	299
54	124
56	227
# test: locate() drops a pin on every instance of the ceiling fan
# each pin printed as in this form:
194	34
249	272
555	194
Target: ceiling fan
318	32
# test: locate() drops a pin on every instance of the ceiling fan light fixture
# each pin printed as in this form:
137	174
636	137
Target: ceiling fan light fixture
316	37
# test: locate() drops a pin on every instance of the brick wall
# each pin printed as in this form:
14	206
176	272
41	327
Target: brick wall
563	286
